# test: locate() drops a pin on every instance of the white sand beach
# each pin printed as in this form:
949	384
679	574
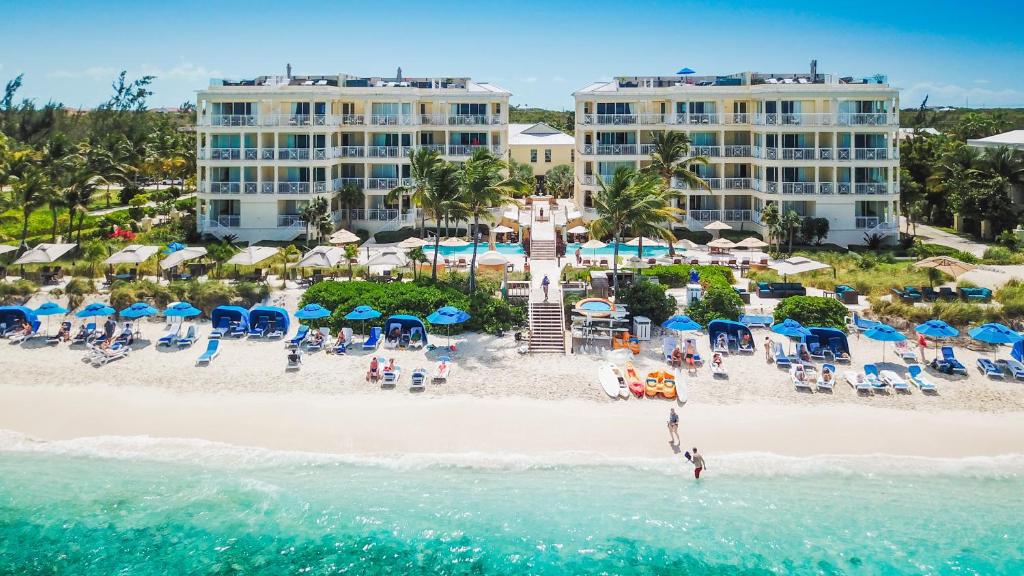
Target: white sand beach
496	401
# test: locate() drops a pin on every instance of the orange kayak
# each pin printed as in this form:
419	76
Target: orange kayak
661	382
636	385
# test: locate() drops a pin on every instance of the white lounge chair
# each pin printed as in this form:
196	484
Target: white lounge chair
171	332
718	370
895	380
107	355
443	370
414	343
390	376
824	384
857	381
1014	367
916	374
801	377
905	352
419	378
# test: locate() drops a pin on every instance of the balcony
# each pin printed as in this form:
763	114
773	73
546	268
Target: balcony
873	154
737	118
473	119
381	183
286	120
709	151
825	154
339	183
615	119
290	221
439	148
616	149
799	187
765	153
697	118
737	183
383	152
377	214
293	187
293	153
866	222
224	221
713	183
224	187
737	151
467	150
871	188
321	153
349	152
392	119
869	119
226	120
737	215
351	119
798	153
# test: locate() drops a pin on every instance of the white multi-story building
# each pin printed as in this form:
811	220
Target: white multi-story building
818	144
268	146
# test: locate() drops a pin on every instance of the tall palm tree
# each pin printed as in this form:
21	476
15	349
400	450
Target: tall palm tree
28	192
441	195
1004	163
789	222
652	212
421	164
349	196
671	158
484	186
82	183
770	219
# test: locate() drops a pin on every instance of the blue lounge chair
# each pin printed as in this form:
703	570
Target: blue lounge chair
313	346
55	339
189	338
419	378
1013	366
222	327
274	331
835	346
127	336
20	336
373	340
299	337
862	324
779	354
873	377
916	374
212	350
170	337
260	328
236	330
817	351
824	384
752	320
84	333
989	368
954	365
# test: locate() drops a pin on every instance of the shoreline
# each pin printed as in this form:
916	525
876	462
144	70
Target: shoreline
461	426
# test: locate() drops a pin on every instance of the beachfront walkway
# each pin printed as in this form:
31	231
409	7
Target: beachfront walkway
930	235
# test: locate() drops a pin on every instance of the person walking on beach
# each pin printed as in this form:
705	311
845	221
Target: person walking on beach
544	284
698	463
768	348
673	426
922	345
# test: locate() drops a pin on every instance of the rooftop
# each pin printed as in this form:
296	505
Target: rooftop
1012	139
687	82
349	81
539	134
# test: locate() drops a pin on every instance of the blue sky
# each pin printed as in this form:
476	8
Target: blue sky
958	52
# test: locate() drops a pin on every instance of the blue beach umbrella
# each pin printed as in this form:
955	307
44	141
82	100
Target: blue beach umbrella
312	312
686	71
50	309
680	323
791	329
362	313
138	310
992	333
173	247
884	333
937	329
446	316
182	310
95	309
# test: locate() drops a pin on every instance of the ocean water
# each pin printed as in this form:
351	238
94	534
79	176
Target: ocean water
139	507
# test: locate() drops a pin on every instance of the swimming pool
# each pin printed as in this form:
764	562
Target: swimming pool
467	250
624	251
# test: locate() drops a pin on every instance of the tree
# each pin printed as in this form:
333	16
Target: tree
28	192
482	187
790	222
351	253
522	173
559	181
770	218
671	158
350	196
421	164
442	192
416	256
317	215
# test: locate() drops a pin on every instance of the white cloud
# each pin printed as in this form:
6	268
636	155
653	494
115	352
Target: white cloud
955	95
183	71
558	79
91	73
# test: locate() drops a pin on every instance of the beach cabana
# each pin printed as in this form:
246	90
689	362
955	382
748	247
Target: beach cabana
825	338
1018	351
132	254
268	315
321	257
252	255
230	315
44	254
15	316
405	324
5	248
181	256
734	333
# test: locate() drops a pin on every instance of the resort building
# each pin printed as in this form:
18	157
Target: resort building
541	147
268	146
1014	140
818	144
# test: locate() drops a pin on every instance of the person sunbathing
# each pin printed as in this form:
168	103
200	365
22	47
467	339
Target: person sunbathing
805	355
26	329
800	375
318	338
391	365
746	343
294	357
395	334
374	371
64	334
691	352
826	375
722	342
416	336
716	360
677	356
842	355
340	342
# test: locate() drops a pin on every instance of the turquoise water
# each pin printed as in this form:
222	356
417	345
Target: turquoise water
194	509
624	250
467	250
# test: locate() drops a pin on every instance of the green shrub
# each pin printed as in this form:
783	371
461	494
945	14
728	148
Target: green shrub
720	301
647	299
137	206
77	289
393	236
678	275
958	313
249	294
127	193
812	311
1001	255
1011	298
14	293
124	294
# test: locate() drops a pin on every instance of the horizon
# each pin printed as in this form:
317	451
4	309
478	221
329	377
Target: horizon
964	60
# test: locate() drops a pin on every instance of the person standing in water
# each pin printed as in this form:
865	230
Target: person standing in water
698	463
673	426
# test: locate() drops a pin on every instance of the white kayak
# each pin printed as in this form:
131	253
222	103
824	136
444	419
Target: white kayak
680	390
612	381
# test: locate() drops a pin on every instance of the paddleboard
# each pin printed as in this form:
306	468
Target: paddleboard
609	377
680	391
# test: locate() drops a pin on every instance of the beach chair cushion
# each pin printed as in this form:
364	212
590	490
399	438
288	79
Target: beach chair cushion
950	359
212	351
989	368
299	337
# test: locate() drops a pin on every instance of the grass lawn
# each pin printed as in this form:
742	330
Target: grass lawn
99	199
40	225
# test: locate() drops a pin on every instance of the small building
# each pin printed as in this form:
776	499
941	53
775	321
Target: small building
541	147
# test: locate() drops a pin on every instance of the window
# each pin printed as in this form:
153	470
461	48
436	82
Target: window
547	155
572	155
614	107
533	156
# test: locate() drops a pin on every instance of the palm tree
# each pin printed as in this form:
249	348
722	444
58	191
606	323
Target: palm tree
421	164
1004	163
28	193
559	181
653	210
81	185
349	196
483	186
790	222
317	215
770	219
671	158
441	194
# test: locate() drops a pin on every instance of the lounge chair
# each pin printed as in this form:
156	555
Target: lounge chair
718	370
391	376
913	293
212	351
947	293
721	344
443	370
697	360
325	335
373	340
83	334
752	320
419	378
104	356
798	373
748	348
170	336
895	381
294	360
221	328
874	378
916	374
189	338
780	357
341	348
835	345
416	338
989	368
668	345
21	336
1013	366
905	352
236	330
929	293
127	335
857	381
390	342
4	330
822	383
299	338
950	359
56	338
259	329
816	351
863	324
274	331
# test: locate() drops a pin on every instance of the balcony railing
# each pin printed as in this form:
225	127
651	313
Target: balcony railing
737	183
616	149
383	151
473	119
229	120
467	150
267	154
376	214
352	119
826	188
871	153
392	119
737	151
349	152
321	187
737	118
382	183
224	221
647	149
709	151
799	187
225	187
432	119
736	215
697	118
868	119
440	148
339	183
293	153
704	215
872	188
290	220
616	119
825	154
798	153
765	153
864	222
713	183
320	154
293	187
286	120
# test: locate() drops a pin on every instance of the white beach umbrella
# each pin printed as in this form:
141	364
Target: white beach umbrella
685	244
492	258
321	257
44	253
343	237
4	248
721	244
796	265
181	256
578	230
388	258
132	254
717	225
501	229
253	255
412	242
751	243
454	243
593	244
647	241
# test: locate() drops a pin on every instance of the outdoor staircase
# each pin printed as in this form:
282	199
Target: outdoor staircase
547	327
542	249
884	229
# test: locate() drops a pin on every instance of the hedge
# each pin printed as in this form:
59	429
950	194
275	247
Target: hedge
647	299
678	275
393	236
812	311
203	295
419	298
